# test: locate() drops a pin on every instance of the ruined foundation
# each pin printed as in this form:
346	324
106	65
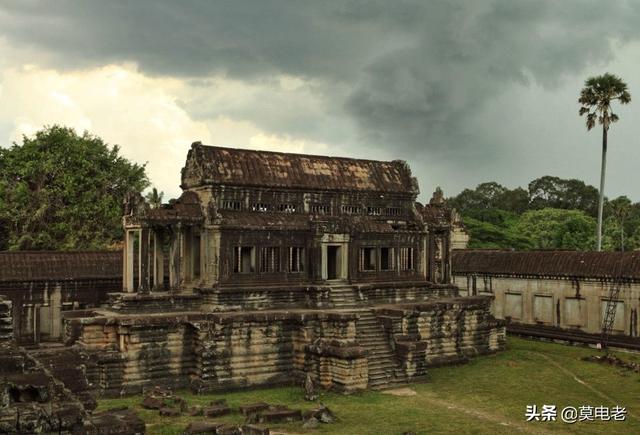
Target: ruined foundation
345	349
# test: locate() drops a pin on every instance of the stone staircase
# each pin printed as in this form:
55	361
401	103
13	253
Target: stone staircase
382	360
343	296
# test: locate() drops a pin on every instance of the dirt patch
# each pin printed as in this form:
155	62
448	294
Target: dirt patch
401	392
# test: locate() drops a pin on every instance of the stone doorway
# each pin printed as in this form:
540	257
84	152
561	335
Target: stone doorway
334	260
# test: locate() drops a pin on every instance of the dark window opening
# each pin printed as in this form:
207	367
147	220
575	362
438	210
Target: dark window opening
261	206
321	209
406	258
287	208
231	205
196	256
296	259
270	260
333	262
367	259
386	258
350	209
244	259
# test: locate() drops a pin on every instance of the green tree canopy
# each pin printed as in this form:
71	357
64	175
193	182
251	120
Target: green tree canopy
62	190
552	228
569	194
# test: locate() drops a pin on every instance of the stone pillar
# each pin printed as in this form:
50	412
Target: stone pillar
184	248
143	251
174	258
158	260
127	262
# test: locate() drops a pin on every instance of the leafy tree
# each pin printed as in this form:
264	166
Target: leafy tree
515	201
619	211
485	235
62	190
555	192
551	228
154	198
595	99
491	195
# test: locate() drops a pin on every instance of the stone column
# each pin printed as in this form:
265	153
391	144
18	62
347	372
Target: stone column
127	261
174	258
158	260
182	255
143	272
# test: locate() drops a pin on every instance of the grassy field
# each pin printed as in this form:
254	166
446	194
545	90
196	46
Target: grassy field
486	396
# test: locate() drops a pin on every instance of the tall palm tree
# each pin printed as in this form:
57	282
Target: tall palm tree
596	98
155	198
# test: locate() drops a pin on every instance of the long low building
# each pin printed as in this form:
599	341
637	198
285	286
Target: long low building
562	289
43	284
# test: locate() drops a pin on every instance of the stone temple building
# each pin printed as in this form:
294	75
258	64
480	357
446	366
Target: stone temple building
271	266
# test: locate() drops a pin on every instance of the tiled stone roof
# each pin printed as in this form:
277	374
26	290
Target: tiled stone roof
548	263
210	165
59	265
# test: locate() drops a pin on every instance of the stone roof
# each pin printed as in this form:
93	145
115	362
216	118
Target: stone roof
211	165
548	263
59	265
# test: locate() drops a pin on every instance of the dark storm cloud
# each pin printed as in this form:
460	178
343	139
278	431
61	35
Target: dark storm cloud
417	75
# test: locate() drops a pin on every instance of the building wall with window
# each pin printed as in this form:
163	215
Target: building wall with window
563	289
43	284
262	218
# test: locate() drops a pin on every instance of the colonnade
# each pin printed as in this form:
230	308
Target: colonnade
144	257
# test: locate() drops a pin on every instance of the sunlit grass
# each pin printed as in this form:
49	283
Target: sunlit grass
486	396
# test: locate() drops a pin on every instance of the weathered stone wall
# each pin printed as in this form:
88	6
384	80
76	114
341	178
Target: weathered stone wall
440	332
43	284
576	303
321	296
231	350
37	305
6	321
217	351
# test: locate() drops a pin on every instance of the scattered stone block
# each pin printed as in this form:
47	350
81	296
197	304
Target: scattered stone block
152	403
122	421
252	429
216	410
322	414
167	411
203	428
253	408
279	415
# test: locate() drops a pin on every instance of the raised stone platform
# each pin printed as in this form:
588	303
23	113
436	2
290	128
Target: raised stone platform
344	349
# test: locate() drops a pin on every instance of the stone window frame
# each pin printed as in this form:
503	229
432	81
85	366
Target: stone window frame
394	211
270	259
261	207
288	207
406	258
237	259
231	204
297	259
391	258
362	256
351	209
374	210
323	209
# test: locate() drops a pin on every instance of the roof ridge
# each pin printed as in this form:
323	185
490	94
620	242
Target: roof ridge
295	154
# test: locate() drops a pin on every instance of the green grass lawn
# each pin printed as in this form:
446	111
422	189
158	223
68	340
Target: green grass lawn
486	396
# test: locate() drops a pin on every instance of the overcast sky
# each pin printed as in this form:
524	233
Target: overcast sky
465	91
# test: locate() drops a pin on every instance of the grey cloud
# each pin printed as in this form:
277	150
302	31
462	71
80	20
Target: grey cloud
418	75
